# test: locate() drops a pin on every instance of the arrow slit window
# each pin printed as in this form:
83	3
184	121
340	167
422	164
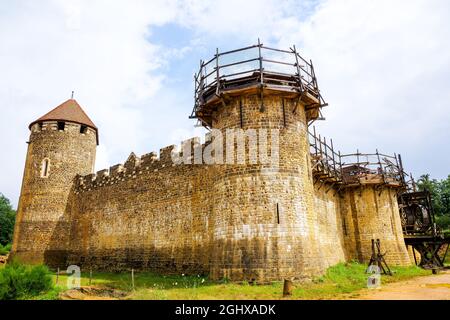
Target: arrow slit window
45	169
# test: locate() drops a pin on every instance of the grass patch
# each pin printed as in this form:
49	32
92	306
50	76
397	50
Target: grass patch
52	294
157	284
346	278
338	282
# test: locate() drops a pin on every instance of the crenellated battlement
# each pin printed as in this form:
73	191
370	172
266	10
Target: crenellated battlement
149	162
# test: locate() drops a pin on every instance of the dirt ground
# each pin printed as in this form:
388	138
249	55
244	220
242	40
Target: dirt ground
92	293
435	287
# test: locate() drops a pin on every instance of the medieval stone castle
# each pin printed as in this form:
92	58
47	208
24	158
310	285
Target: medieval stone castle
263	222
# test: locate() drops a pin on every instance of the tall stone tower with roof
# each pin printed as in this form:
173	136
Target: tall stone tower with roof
62	145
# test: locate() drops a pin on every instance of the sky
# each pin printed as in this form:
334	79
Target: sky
382	66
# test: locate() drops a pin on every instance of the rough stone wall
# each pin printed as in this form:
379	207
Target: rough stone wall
330	224
250	241
41	230
148	214
372	213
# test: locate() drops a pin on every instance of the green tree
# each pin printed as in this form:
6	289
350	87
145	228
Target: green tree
440	195
445	196
433	186
7	220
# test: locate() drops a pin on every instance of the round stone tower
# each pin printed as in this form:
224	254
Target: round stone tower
263	217
62	145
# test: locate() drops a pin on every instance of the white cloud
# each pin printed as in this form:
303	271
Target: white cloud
383	66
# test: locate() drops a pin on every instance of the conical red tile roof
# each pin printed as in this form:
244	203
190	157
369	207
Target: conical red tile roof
68	111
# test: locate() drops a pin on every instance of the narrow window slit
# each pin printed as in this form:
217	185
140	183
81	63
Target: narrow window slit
45	168
278	213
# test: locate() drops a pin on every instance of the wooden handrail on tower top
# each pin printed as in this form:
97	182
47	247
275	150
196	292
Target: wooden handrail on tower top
286	71
329	165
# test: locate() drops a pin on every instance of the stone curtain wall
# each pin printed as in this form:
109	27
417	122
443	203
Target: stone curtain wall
148	214
372	213
41	232
330	225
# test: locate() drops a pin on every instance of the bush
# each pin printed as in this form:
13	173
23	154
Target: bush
4	250
20	282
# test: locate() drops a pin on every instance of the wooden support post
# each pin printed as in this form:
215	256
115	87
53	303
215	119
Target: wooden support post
397	167
217	72
414	254
57	276
315	139
357	157
401	168
261	76
90	276
382	262
132	279
300	83
377	258
334	159
320	146
194	112
381	167
287	288
313	74
202	78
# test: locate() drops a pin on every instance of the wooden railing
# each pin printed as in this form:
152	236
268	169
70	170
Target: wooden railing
257	65
330	165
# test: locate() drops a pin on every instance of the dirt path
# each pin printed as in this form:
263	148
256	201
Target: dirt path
435	287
